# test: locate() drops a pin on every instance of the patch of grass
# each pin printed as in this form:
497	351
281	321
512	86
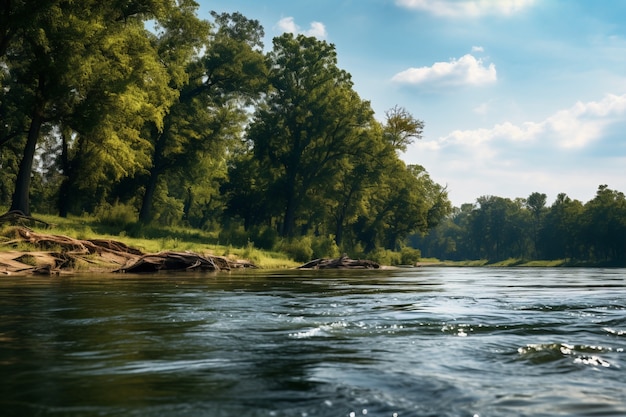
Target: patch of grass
262	258
545	263
508	262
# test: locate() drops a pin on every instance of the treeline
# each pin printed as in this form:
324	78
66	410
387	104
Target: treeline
497	228
141	113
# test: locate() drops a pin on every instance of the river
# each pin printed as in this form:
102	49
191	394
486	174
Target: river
474	342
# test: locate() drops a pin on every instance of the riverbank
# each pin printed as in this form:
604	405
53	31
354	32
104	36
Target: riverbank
83	245
49	244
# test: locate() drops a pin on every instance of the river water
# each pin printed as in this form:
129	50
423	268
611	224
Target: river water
410	342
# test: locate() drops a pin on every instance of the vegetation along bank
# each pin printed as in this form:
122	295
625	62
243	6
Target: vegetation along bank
143	118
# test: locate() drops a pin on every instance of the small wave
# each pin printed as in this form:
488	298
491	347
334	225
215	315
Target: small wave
578	354
323	330
615	332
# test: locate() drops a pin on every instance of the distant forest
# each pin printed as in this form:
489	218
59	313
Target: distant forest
141	114
496	229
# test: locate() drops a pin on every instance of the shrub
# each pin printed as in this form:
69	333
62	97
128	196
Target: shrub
299	249
264	237
233	235
410	256
385	257
118	215
324	247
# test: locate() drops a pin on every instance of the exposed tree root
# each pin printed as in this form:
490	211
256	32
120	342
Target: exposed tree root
176	261
56	254
340	263
18	218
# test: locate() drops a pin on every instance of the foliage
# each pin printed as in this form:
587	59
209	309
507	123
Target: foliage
141	117
299	249
118	215
385	257
498	229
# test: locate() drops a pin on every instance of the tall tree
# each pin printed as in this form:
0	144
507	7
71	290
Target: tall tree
53	63
536	203
560	236
210	110
311	120
604	225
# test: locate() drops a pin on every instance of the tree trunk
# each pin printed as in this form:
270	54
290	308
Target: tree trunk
21	199
145	214
64	189
289	222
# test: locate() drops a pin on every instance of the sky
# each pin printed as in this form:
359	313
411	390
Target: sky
517	96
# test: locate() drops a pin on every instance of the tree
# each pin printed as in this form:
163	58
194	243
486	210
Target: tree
604	225
405	201
536	203
57	60
310	121
210	110
401	128
560	236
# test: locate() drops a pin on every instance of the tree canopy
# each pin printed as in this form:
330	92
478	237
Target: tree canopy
497	228
142	108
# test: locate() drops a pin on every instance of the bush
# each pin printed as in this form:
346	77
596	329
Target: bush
118	215
385	257
410	256
324	247
264	237
298	249
233	235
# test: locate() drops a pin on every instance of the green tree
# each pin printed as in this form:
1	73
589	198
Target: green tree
57	60
207	118
560	236
603	225
497	228
401	128
536	203
310	121
405	201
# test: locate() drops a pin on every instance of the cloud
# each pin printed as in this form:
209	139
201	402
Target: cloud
466	70
316	29
572	128
467	8
572	150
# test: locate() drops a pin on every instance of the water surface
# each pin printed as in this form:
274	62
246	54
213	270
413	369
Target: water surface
412	342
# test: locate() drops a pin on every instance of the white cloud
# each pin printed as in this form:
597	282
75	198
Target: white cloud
316	29
467	8
466	70
572	128
478	49
572	151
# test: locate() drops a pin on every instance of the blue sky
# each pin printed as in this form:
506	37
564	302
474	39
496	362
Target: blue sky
517	96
